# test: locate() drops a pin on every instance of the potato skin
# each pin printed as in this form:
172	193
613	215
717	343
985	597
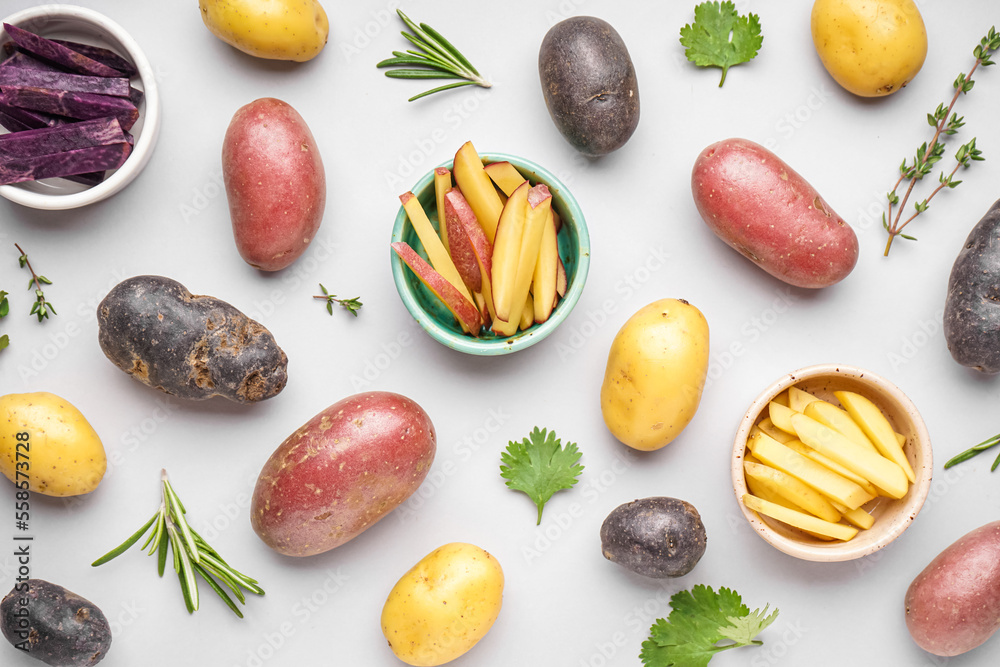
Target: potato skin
64	453
655	537
589	84
275	183
655	374
764	210
953	606
342	471
972	307
188	346
870	47
273	29
443	605
55	625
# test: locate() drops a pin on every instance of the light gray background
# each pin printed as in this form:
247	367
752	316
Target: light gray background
563	604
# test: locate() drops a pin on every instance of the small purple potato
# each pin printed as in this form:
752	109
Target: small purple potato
655	537
188	346
54	625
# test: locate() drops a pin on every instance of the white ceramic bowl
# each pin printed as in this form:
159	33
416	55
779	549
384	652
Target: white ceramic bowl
84	25
892	517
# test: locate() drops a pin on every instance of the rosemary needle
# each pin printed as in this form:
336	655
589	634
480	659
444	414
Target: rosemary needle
192	555
437	58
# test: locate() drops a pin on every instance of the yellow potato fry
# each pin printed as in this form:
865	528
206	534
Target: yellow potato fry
781	416
799	520
821	478
806	450
878	470
767	426
798	399
878	429
830	415
792	489
858	517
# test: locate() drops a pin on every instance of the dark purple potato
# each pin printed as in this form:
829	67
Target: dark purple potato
83	106
54	625
972	308
655	537
67	163
188	346
12	75
589	84
101	55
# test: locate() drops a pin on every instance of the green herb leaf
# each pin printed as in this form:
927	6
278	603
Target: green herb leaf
699	620
4	341
989	443
720	37
540	466
4	306
350	305
437	58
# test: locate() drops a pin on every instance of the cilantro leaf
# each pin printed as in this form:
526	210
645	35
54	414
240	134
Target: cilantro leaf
4	306
720	37
540	466
700	619
4	341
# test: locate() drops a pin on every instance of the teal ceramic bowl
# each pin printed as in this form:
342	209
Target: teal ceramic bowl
435	318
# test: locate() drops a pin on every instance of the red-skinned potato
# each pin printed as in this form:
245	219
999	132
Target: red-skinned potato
275	183
768	213
953	606
342	471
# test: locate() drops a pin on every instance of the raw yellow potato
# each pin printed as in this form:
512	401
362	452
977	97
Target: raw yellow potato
442	184
821	478
47	443
505	175
767	426
508	235
781	416
792	490
870	47
273	29
655	374
830	415
878	470
764	493
857	517
805	450
444	605
878	429
798	399
781	399
799	520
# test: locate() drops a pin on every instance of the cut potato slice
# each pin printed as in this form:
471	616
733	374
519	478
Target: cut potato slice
806	450
505	175
478	189
821	478
858	517
798	519
543	283
792	489
782	398
877	469
442	183
767	426
830	415
781	416
798	399
527	313
539	214
506	251
878	429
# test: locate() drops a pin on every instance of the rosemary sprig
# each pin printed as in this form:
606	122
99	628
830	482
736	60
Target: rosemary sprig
351	305
437	59
191	554
975	451
41	307
945	123
4	310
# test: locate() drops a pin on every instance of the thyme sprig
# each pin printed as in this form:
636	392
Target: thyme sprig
945	123
351	305
975	451
437	59
41	307
192	555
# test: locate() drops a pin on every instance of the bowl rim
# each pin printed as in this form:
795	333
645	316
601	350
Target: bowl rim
143	149
845	551
537	332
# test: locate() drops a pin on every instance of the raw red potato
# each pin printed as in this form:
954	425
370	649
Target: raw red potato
768	213
83	106
57	53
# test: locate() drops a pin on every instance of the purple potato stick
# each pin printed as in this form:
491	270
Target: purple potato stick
83	106
79	161
57	53
101	55
49	140
11	75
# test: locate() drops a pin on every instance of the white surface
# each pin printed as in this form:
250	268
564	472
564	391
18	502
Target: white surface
564	604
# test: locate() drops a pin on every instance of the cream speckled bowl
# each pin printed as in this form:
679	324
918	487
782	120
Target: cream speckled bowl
892	517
